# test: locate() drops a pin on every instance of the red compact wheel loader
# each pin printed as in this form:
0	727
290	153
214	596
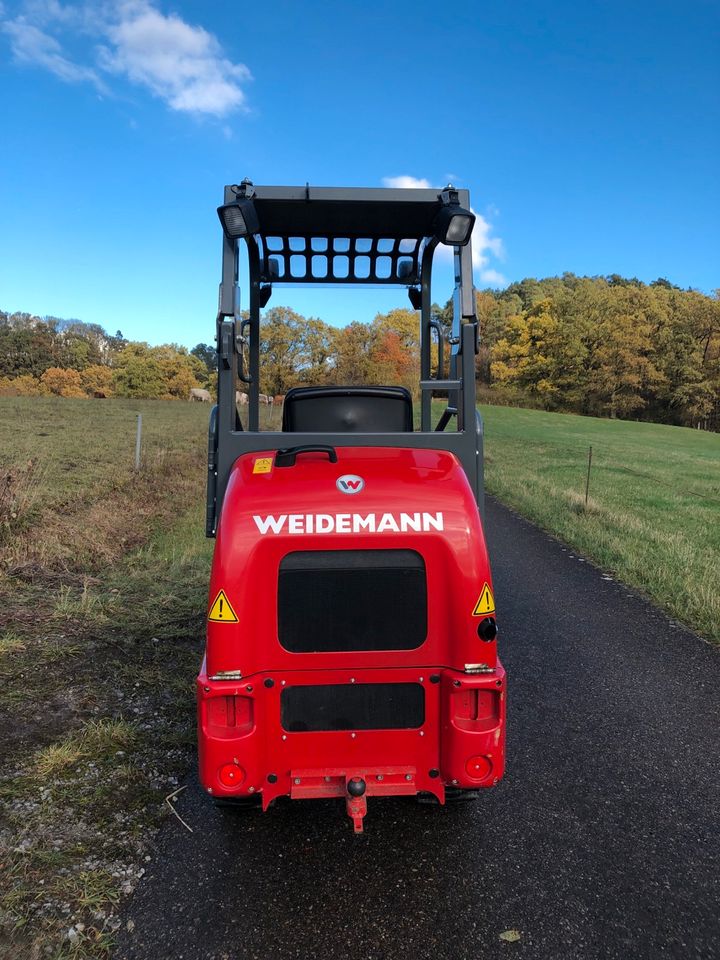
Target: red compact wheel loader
351	636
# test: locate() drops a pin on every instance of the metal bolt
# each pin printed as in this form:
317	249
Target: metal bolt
380	777
352	679
206	689
209	789
352	736
408	776
284	737
283	682
328	779
422	733
249	688
498	683
495	781
296	780
421	679
251	789
456	683
454	781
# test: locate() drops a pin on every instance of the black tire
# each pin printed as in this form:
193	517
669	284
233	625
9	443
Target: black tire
460	795
453	796
238	804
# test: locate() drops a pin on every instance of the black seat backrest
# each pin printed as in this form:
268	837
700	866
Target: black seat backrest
348	409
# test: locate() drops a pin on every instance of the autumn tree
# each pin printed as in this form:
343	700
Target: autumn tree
352	349
622	365
23	386
207	354
96	379
281	350
179	369
137	373
62	383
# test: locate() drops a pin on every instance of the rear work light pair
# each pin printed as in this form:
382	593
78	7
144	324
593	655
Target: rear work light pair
453	224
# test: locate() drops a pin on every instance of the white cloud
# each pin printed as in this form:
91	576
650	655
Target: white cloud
181	64
484	245
493	278
177	62
406	183
32	45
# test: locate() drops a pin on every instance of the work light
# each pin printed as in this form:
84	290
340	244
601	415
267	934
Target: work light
239	219
453	225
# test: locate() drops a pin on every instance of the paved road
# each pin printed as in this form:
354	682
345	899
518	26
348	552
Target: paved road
602	842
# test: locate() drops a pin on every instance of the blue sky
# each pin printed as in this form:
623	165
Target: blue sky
588	134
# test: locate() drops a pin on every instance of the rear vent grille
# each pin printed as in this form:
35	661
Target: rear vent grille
340	600
360	706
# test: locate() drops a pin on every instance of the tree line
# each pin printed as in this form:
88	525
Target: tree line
45	356
605	346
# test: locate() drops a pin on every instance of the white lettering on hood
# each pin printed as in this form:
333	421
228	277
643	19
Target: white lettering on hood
294	523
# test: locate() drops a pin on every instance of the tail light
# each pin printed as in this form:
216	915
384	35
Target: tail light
478	768
229	717
231	775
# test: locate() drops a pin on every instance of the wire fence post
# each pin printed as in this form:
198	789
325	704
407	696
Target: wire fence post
138	440
587	482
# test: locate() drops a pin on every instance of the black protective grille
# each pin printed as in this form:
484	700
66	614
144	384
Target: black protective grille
339	600
340	259
358	706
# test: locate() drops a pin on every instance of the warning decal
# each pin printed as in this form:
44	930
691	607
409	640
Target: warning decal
485	604
263	465
221	611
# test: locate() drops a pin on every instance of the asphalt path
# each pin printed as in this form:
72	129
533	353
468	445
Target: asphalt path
603	841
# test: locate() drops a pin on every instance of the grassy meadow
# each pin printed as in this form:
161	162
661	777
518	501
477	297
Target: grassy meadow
653	514
85	448
103	581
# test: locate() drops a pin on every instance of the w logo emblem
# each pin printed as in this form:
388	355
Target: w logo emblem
349	483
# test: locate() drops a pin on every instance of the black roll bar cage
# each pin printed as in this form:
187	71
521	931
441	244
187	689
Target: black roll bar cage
355	236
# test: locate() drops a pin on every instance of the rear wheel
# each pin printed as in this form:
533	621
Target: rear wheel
460	795
453	795
239	804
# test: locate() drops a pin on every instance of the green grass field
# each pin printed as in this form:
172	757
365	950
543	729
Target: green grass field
83	448
653	517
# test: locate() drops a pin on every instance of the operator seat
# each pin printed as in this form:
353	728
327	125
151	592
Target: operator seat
348	410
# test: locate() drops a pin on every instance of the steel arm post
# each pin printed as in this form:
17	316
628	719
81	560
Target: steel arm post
254	386
425	333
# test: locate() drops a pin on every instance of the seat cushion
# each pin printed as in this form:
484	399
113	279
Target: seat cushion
348	409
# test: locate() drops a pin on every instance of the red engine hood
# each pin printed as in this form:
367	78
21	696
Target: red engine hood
372	498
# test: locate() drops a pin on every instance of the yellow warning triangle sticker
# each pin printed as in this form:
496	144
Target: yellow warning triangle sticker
485	604
221	611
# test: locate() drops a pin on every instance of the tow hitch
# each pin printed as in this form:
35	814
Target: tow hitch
356	802
355	786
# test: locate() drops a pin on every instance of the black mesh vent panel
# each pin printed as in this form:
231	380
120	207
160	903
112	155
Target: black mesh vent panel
359	706
331	601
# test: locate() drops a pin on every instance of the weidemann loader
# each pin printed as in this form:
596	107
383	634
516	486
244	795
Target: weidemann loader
351	636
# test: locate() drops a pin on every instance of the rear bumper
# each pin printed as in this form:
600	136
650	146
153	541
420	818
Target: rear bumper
244	749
